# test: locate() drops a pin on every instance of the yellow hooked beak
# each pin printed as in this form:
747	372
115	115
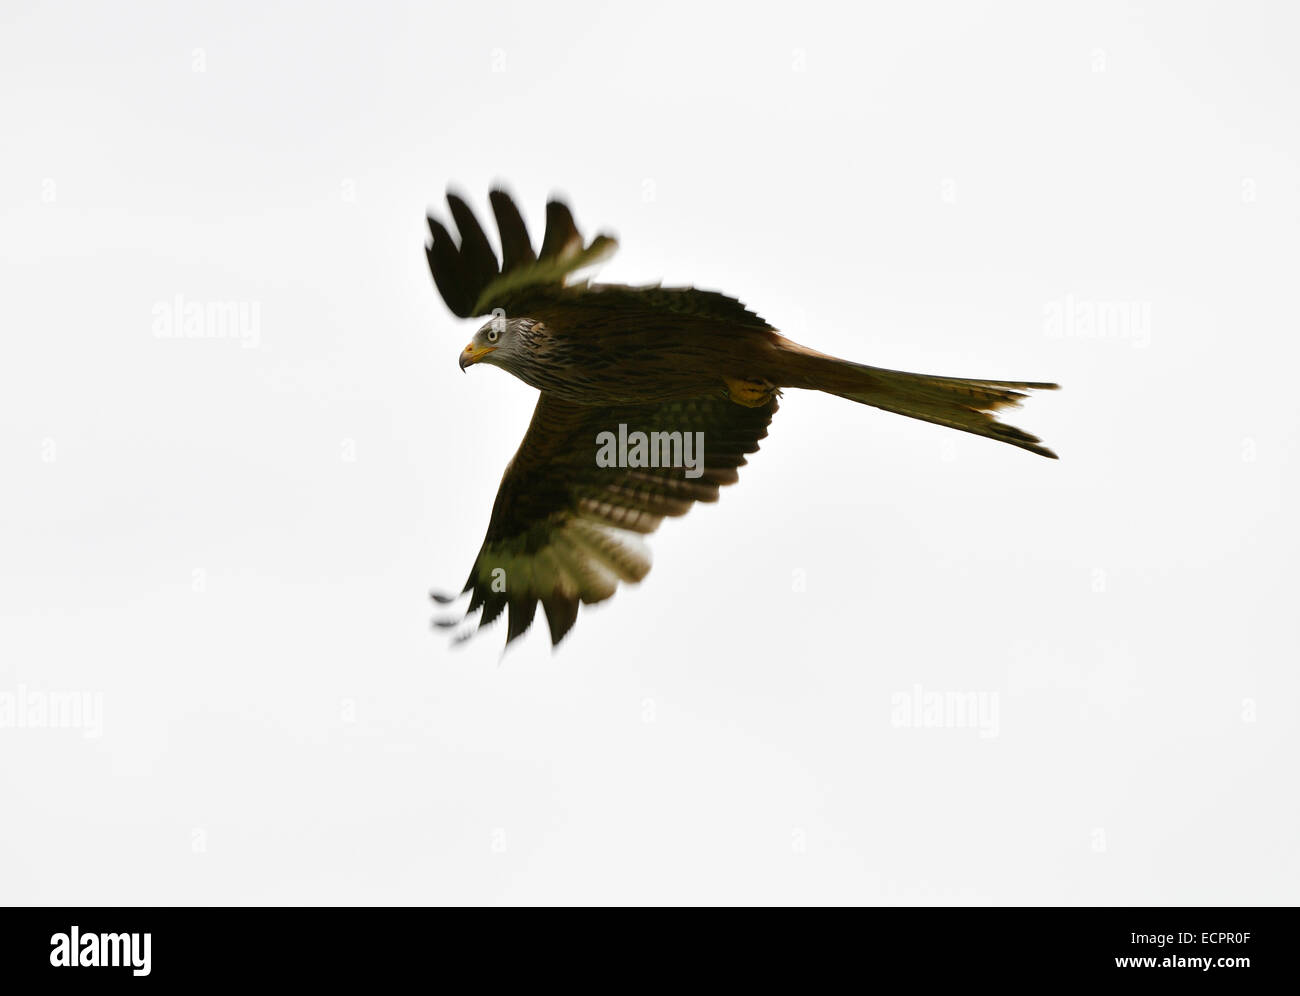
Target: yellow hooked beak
471	354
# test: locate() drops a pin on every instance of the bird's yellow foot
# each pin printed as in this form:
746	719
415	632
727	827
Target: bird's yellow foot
750	393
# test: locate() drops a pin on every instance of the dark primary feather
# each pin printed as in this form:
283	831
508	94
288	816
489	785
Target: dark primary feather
475	250
516	246
561	235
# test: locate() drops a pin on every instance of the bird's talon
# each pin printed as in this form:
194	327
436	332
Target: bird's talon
750	393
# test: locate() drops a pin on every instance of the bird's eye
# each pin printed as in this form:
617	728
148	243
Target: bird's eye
492	335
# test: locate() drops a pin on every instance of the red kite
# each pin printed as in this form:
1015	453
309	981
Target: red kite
651	398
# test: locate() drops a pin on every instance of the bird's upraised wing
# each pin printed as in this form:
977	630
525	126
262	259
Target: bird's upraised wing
473	282
565	530
537	284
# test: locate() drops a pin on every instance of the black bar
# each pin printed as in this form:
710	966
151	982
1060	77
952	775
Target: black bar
386	946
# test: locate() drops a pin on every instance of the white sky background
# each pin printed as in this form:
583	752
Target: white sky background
916	187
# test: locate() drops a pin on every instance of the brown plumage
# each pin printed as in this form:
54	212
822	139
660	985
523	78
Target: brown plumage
612	361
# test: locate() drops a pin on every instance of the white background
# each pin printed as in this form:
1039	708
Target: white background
229	547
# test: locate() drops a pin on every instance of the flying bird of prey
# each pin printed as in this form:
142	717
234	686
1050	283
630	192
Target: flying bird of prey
613	361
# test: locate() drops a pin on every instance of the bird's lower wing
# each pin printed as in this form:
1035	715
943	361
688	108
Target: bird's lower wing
566	525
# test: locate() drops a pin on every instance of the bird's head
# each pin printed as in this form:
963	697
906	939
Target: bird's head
502	342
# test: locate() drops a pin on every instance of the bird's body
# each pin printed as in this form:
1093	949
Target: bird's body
596	350
660	362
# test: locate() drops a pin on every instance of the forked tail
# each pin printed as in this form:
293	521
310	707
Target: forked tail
957	402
